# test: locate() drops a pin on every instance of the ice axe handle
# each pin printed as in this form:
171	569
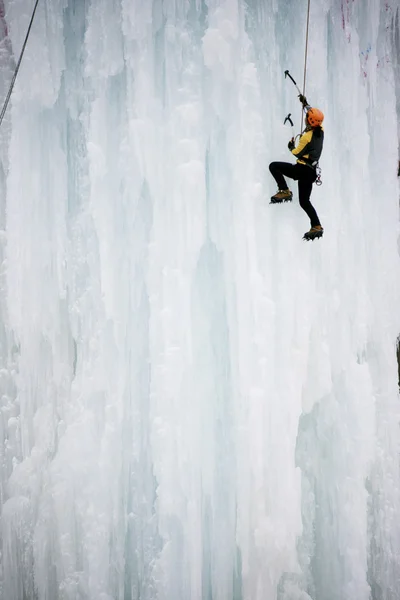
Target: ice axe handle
287	74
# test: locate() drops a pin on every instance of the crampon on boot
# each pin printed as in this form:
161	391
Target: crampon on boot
315	232
281	196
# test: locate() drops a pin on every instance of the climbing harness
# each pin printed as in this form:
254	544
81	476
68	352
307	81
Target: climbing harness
3	111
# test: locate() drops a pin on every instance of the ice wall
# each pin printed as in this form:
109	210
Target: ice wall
195	404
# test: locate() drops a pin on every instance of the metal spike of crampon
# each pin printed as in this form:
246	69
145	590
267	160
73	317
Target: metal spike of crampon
313	234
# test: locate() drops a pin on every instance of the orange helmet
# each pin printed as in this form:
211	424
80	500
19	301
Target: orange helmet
315	117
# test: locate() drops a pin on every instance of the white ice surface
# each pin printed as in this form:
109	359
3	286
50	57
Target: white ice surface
194	403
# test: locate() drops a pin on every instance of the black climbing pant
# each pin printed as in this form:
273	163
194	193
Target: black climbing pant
305	177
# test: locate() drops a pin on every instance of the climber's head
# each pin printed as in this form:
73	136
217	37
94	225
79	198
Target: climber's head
314	117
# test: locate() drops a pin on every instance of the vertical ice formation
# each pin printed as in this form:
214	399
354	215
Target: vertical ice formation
195	405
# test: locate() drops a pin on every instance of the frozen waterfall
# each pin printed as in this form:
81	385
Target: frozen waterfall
196	404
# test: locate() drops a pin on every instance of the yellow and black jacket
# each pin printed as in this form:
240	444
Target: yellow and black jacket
309	147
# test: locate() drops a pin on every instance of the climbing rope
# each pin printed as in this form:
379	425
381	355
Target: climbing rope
305	59
3	111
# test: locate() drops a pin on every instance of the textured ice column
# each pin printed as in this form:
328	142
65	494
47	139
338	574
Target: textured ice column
36	289
7	364
267	504
179	230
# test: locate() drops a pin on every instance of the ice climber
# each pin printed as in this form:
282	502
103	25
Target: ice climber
308	152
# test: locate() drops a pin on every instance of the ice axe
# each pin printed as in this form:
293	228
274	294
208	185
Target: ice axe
287	74
301	96
288	118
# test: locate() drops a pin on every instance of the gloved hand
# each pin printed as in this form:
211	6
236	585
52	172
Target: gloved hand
291	144
303	100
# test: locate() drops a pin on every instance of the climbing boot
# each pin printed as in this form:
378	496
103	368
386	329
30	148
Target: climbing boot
315	232
281	196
